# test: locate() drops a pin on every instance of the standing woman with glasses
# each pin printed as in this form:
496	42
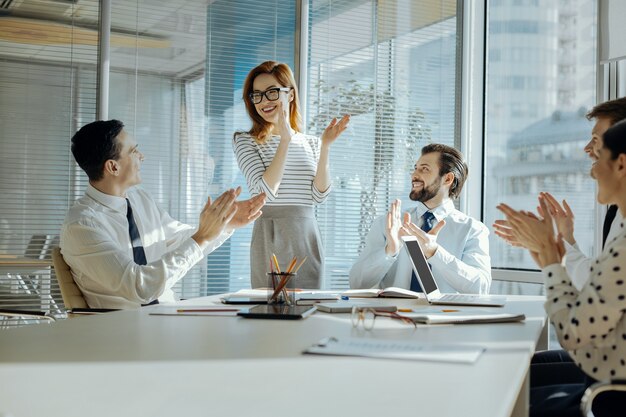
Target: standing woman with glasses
291	168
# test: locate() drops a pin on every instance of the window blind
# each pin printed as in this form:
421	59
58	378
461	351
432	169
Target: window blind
177	87
392	66
176	74
47	88
241	35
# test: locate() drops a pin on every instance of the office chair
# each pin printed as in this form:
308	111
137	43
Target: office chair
596	389
72	296
40	247
25	291
36	249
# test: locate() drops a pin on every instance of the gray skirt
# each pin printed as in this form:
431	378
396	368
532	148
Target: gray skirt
287	231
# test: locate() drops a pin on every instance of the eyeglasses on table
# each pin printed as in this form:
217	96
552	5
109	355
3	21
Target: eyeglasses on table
366	316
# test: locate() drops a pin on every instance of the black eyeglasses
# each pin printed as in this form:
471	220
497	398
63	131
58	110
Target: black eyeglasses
271	94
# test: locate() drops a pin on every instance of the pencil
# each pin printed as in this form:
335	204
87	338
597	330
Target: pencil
292	264
276	262
300	265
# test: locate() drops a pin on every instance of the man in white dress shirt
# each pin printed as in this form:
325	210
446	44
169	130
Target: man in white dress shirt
455	245
125	251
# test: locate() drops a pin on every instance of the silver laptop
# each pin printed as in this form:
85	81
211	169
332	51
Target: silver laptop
429	285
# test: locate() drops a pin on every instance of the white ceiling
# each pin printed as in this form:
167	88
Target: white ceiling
162	36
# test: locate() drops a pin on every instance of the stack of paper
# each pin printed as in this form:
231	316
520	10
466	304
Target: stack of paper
453	316
393	349
178	310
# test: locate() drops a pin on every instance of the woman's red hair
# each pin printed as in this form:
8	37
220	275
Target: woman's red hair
261	128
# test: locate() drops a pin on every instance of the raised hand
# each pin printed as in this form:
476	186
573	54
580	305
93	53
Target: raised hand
534	233
562	215
502	229
283	124
215	216
427	240
334	129
392	229
247	210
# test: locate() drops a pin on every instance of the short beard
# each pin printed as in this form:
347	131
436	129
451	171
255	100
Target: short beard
427	193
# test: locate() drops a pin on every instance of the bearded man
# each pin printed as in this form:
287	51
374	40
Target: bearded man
455	245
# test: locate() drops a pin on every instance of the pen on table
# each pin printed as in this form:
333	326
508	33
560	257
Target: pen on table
191	310
405	310
449	311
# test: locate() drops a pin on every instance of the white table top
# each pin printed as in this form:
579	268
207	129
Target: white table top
162	365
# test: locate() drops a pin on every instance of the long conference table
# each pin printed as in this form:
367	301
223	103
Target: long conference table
131	363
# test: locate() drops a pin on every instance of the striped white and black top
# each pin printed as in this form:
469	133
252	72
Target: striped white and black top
296	187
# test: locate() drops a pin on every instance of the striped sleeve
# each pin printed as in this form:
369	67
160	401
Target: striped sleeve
319	196
251	164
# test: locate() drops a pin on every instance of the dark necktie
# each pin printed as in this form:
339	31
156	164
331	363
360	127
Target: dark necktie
139	255
608	220
135	240
428	221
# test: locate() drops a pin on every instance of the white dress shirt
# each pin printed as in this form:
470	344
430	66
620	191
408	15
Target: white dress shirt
460	264
591	323
577	263
95	243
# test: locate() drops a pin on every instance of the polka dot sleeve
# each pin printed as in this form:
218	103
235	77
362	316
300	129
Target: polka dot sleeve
590	323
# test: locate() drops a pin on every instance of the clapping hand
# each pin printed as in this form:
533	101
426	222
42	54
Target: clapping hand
247	210
215	216
283	124
334	129
562	215
535	233
393	227
502	229
427	240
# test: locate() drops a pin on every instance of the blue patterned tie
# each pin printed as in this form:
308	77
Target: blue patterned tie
428	221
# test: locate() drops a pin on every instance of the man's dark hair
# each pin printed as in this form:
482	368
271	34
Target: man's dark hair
450	160
614	110
615	139
94	144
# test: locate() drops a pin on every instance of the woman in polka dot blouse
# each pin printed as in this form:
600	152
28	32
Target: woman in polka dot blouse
590	323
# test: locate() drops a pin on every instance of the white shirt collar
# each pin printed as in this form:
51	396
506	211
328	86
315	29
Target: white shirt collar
107	200
440	212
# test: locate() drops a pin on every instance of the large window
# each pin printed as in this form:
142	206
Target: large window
176	73
393	66
47	89
541	60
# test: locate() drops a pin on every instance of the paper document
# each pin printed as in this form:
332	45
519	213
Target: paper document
458	316
346	306
179	310
249	292
391	349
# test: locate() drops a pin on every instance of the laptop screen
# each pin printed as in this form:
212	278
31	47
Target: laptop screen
420	266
